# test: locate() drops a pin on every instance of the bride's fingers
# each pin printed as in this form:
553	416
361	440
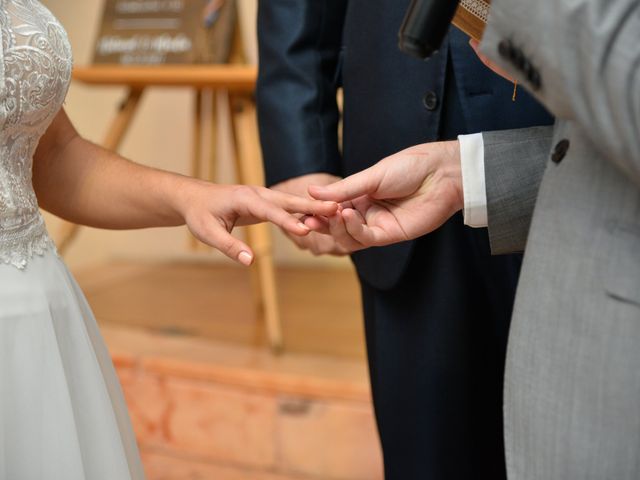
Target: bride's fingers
317	224
296	204
214	234
265	210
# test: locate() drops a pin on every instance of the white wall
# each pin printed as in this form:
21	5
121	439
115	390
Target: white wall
160	136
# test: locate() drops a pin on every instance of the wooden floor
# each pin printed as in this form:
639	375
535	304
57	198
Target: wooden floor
320	308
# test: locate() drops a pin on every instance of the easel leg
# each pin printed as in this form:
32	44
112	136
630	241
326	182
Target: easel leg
196	159
198	168
213	144
112	141
248	159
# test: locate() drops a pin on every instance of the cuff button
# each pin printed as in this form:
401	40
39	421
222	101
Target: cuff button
560	151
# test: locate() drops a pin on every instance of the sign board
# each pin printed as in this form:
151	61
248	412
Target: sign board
149	32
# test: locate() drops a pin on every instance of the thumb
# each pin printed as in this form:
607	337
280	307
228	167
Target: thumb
362	183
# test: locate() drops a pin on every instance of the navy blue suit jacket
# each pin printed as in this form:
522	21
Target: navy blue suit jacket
308	49
437	309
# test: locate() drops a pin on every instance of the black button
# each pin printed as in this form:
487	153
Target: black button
528	69
519	60
505	48
430	101
534	79
560	151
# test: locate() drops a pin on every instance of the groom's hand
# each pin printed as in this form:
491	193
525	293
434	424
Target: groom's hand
402	197
319	241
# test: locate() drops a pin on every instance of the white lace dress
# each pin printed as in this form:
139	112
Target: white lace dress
62	413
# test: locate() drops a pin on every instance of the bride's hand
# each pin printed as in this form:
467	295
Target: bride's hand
211	211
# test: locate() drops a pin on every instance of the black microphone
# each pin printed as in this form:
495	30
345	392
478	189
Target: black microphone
425	25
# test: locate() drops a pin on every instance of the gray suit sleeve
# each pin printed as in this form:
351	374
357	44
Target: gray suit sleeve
514	162
587	55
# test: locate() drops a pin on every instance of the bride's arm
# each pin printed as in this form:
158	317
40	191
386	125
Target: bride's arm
86	184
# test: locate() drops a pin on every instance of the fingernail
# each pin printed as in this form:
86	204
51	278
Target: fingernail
302	225
245	258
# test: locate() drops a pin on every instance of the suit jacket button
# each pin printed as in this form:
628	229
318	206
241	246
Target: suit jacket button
534	79
430	101
505	49
560	151
519	60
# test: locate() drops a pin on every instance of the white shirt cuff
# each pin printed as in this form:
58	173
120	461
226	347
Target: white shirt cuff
473	181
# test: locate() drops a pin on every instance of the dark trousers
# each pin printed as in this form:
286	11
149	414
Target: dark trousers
436	345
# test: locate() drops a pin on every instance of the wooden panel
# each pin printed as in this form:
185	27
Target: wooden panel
149	405
213	302
206	408
221	423
329	439
253	369
257	418
160	466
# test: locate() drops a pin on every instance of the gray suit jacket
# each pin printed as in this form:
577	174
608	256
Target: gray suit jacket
572	194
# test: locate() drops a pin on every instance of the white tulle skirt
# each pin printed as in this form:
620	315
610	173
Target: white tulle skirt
62	412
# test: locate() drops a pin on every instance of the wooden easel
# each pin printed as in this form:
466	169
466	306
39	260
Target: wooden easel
237	83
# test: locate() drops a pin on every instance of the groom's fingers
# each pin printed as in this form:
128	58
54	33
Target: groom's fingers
362	183
339	231
357	227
